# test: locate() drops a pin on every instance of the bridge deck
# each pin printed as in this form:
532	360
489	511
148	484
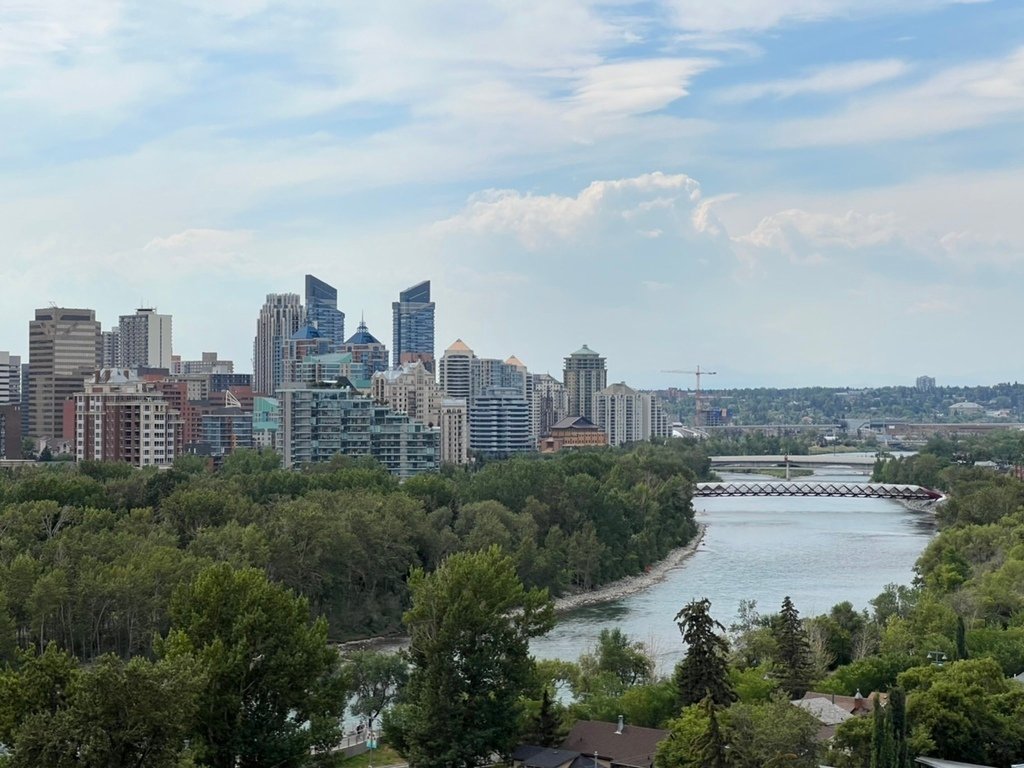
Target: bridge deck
826	489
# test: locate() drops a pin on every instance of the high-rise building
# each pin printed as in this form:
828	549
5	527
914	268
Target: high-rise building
321	421
622	413
549	403
411	390
280	317
110	357
305	342
210	363
10	379
925	383
145	340
322	311
119	419
583	376
64	348
499	423
455	370
10	431
367	350
454	423
413	327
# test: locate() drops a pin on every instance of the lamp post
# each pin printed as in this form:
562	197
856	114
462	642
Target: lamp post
937	658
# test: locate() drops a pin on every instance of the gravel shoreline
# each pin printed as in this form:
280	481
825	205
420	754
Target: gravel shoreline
632	584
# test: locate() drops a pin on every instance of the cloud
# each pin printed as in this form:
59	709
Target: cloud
956	98
805	236
836	78
633	87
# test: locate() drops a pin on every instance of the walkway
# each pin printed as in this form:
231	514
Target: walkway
828	489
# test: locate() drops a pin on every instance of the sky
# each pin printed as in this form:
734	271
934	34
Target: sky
787	192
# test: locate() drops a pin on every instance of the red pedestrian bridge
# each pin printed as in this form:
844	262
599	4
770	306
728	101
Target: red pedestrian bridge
734	488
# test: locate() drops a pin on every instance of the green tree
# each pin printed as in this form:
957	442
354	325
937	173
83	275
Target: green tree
470	626
703	671
376	680
274	687
794	652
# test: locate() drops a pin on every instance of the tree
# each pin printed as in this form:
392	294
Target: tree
545	729
794	652
376	680
703	671
274	687
883	748
711	745
469	626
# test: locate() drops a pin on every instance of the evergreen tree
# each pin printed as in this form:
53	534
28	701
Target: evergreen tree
794	652
545	727
711	744
896	712
883	752
961	639
703	672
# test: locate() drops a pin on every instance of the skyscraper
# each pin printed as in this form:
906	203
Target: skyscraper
367	350
63	349
413	327
322	311
280	317
145	340
584	375
10	379
456	370
111	355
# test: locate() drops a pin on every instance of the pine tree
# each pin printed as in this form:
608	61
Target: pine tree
896	712
883	752
711	744
545	727
794	652
961	639
703	672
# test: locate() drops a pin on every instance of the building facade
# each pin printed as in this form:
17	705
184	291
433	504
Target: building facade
280	317
322	311
209	363
454	423
64	348
499	423
411	390
322	421
583	376
622	413
10	431
549	403
412	318
455	370
144	340
117	419
10	379
573	432
110	357
366	350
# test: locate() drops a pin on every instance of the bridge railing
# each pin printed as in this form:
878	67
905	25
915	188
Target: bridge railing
736	488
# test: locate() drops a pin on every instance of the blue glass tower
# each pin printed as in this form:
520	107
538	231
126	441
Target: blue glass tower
413	327
322	311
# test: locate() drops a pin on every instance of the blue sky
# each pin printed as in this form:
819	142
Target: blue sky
789	192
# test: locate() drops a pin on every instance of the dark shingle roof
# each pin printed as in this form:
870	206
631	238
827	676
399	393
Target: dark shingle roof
542	757
635	746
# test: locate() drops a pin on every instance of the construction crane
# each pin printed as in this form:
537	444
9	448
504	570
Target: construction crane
696	398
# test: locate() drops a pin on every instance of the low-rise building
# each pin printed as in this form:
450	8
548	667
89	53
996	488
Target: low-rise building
573	432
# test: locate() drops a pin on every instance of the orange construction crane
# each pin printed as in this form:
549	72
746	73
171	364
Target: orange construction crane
696	398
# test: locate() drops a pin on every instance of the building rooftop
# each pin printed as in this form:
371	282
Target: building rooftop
459	346
584	351
630	746
362	336
543	757
618	389
309	332
513	360
576	422
823	710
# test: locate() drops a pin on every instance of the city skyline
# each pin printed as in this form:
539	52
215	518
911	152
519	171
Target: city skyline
790	192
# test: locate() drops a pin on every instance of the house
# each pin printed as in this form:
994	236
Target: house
830	709
607	745
527	756
934	762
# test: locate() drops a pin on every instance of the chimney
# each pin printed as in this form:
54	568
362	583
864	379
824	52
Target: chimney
621	726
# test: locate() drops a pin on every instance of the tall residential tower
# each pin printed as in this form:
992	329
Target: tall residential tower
281	316
144	340
584	376
322	311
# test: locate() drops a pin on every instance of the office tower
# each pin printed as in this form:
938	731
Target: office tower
455	370
280	317
119	419
454	423
322	311
549	403
145	340
111	354
622	413
64	348
583	376
321	421
413	327
925	383
10	379
366	350
499	423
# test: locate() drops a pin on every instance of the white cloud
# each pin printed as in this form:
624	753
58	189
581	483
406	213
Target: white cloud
956	98
633	87
836	78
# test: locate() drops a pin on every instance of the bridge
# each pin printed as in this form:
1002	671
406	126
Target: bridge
859	460
735	488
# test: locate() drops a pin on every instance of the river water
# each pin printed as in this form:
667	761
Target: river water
819	551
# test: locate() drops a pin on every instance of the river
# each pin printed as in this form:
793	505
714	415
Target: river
819	551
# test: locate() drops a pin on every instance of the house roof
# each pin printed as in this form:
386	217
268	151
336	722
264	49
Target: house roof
855	705
543	757
935	762
823	710
576	422
634	746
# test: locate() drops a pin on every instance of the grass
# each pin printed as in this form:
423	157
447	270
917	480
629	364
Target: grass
383	755
779	472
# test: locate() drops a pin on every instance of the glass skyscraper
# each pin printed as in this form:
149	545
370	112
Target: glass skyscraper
322	311
413	327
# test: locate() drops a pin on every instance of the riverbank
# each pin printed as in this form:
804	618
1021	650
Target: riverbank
630	585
